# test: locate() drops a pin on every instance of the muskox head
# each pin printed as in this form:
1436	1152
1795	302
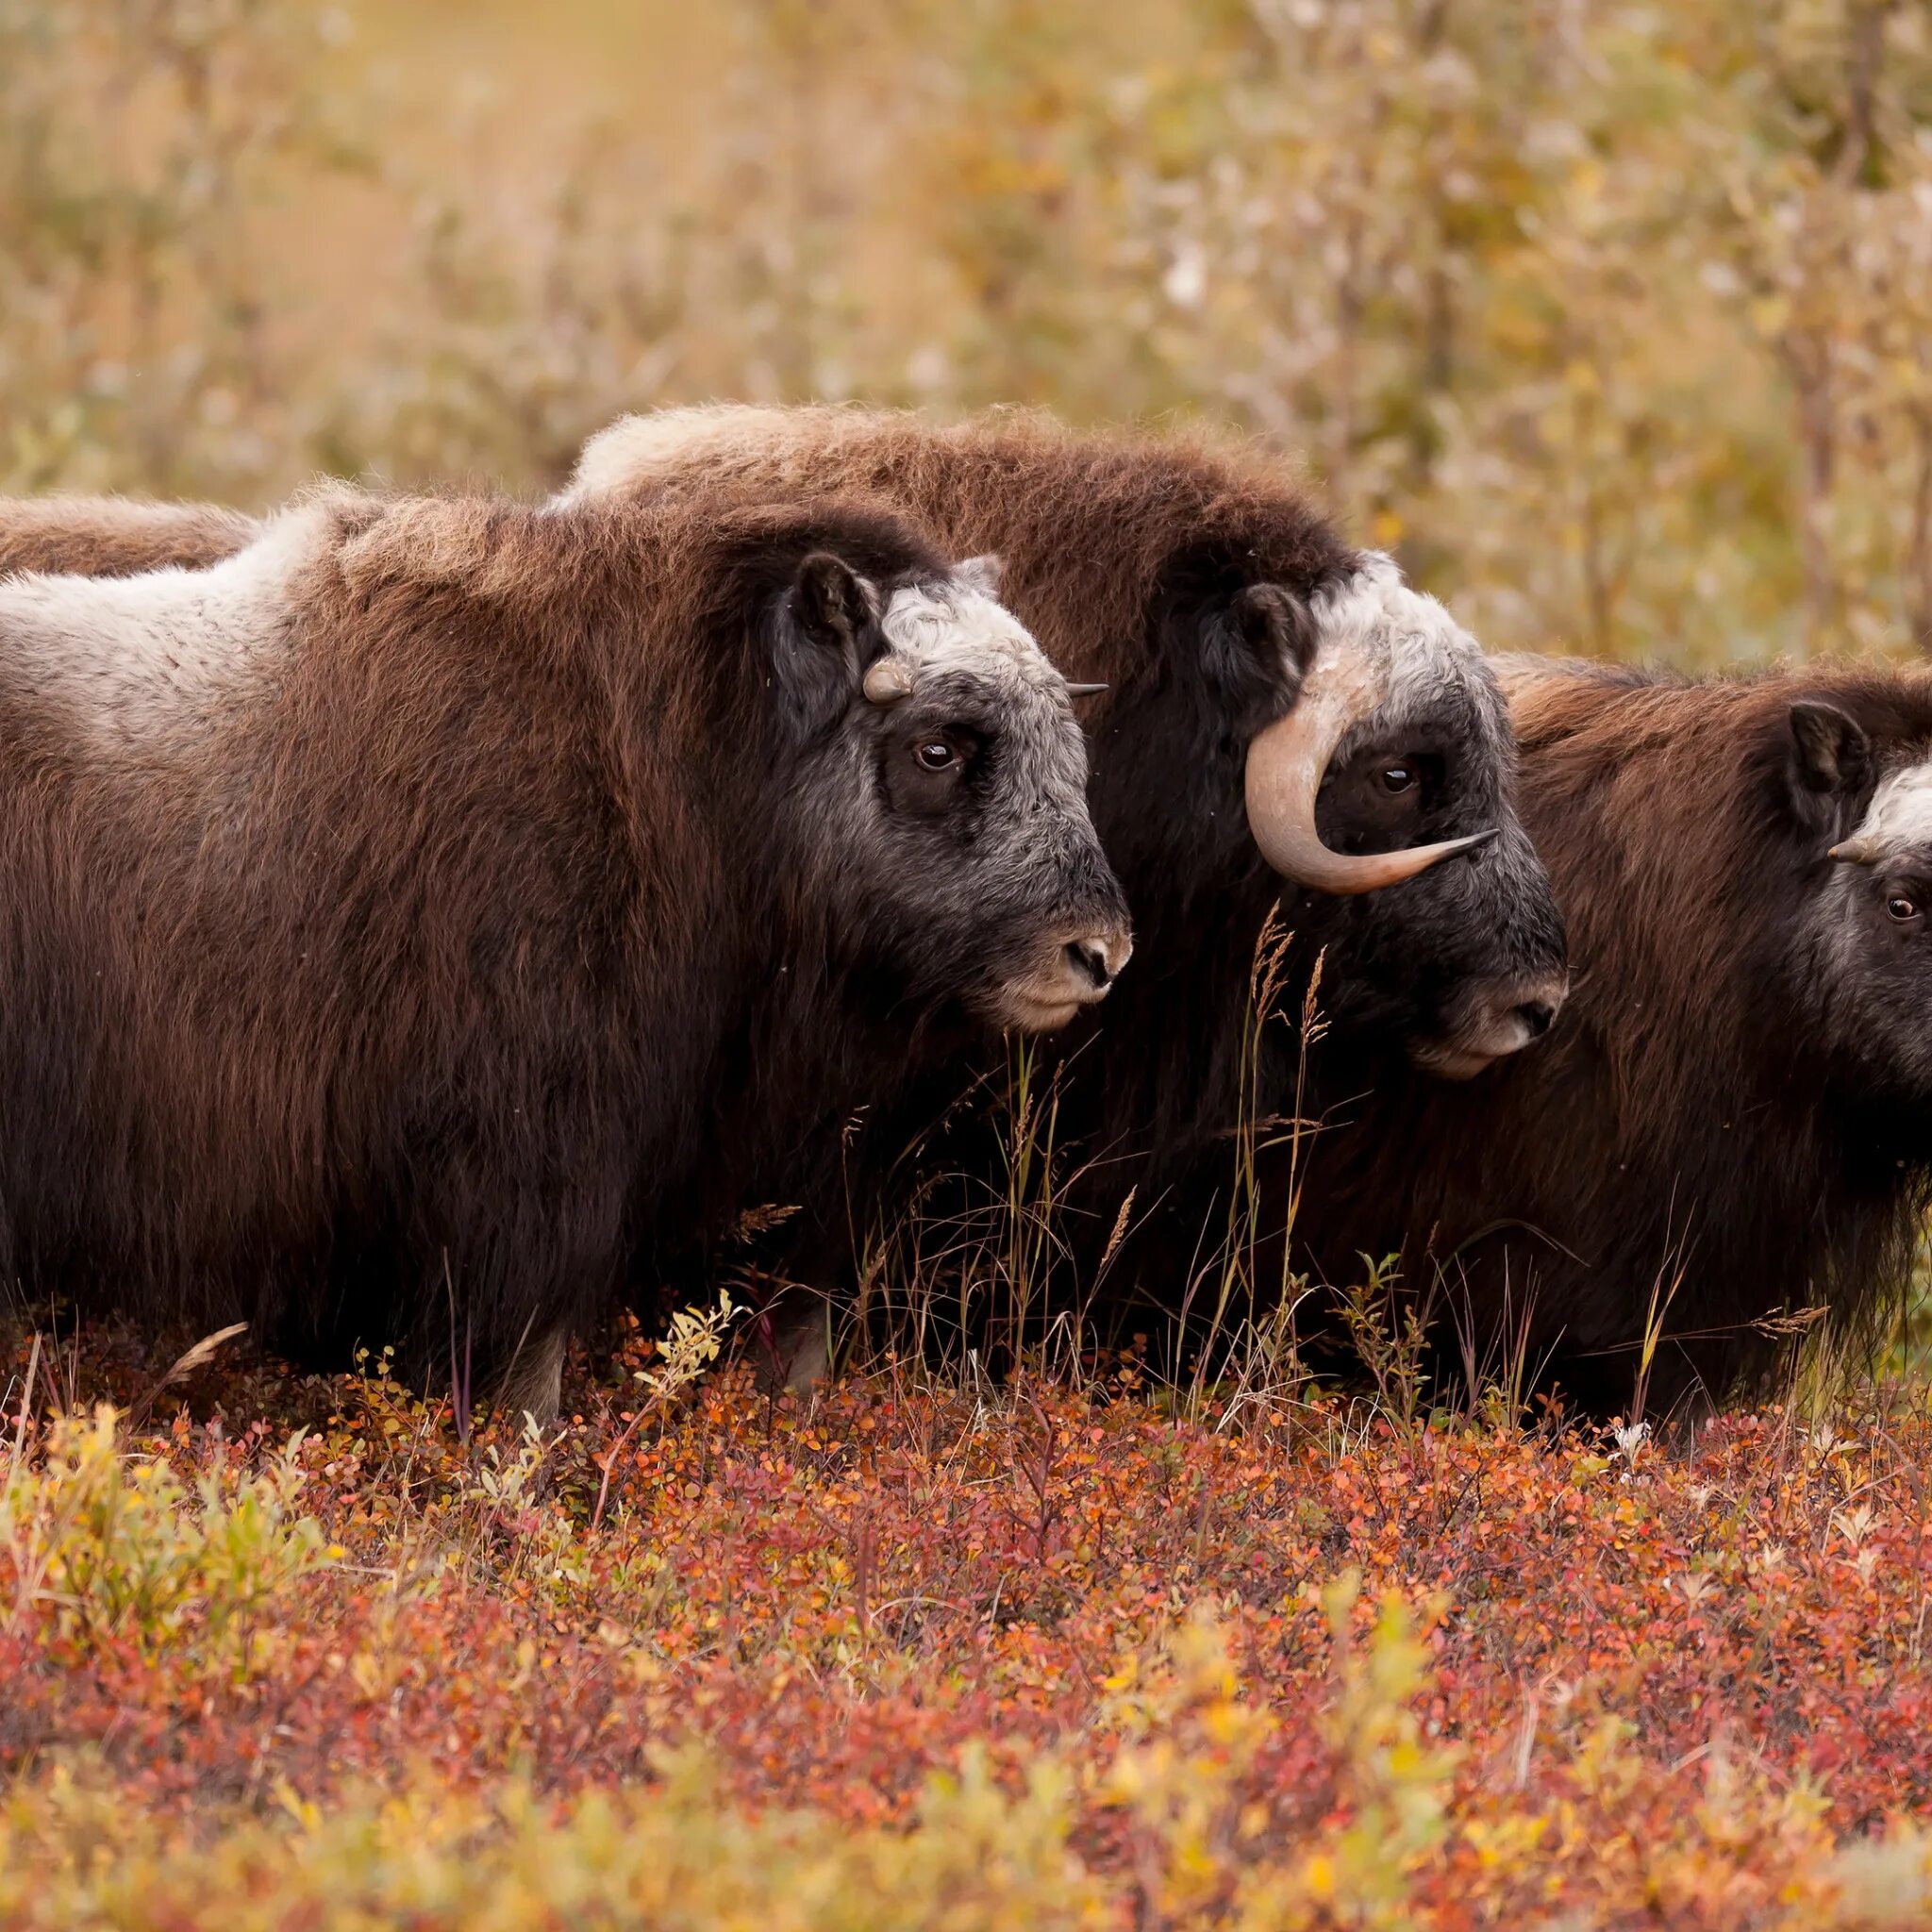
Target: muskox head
944	810
1386	789
1860	793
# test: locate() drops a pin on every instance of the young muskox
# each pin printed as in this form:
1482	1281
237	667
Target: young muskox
411	919
1282	719
1734	1120
116	535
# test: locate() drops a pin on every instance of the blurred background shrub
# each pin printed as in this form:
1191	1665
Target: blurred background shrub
1615	321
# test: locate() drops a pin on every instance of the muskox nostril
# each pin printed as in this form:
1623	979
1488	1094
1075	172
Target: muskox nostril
1536	1015
1088	960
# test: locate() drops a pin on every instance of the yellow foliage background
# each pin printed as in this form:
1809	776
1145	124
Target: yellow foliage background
1614	319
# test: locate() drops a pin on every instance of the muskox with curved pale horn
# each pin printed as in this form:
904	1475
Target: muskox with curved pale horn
1275	717
1733	1124
411	919
116	535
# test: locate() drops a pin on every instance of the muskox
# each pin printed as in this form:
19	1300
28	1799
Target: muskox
116	535
410	920
1281	719
1733	1122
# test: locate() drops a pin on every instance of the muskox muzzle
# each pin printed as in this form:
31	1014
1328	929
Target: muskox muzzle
1493	1022
1074	967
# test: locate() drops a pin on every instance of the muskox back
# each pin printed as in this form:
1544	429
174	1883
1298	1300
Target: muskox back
415	917
116	535
1732	1122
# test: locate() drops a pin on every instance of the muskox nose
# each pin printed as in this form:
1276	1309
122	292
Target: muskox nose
1490	1024
1536	1016
1096	959
1527	1011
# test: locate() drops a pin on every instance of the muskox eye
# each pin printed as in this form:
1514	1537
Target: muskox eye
1396	778
935	754
1902	908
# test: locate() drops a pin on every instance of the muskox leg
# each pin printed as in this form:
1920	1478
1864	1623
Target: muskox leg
801	1353
785	1339
532	1384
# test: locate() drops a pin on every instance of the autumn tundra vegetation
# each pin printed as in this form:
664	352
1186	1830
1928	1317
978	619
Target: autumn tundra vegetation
1411	1409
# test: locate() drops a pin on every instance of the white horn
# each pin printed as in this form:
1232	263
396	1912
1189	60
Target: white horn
1286	764
887	681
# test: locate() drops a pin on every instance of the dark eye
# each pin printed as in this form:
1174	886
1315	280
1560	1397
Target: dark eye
936	754
1901	909
1395	777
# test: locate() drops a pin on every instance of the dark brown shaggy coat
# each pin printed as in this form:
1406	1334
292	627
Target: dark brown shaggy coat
116	535
409	921
1732	1120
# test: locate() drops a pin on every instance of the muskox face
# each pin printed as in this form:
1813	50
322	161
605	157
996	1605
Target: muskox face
1865	954
1462	961
947	819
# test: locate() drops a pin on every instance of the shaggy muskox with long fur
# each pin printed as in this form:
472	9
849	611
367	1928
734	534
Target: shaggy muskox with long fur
409	921
1282	720
1733	1121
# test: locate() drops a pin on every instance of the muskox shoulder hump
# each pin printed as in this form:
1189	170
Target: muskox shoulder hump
633	453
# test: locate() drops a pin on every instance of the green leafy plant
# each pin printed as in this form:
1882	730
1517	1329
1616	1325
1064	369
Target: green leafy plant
118	1549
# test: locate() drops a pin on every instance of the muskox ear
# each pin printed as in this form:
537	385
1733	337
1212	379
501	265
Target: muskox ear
827	629
981	574
1267	628
1830	760
828	602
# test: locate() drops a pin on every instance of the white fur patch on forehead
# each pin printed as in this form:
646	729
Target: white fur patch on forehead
1417	650
1900	813
133	660
951	625
1375	612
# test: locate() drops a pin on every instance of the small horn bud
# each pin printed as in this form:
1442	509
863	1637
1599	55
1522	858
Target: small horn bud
887	681
1856	852
1084	691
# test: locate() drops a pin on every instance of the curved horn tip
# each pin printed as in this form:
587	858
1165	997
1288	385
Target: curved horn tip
1415	859
886	682
1084	691
1349	874
1854	851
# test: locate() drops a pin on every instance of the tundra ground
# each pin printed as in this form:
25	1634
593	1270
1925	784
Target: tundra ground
284	1651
